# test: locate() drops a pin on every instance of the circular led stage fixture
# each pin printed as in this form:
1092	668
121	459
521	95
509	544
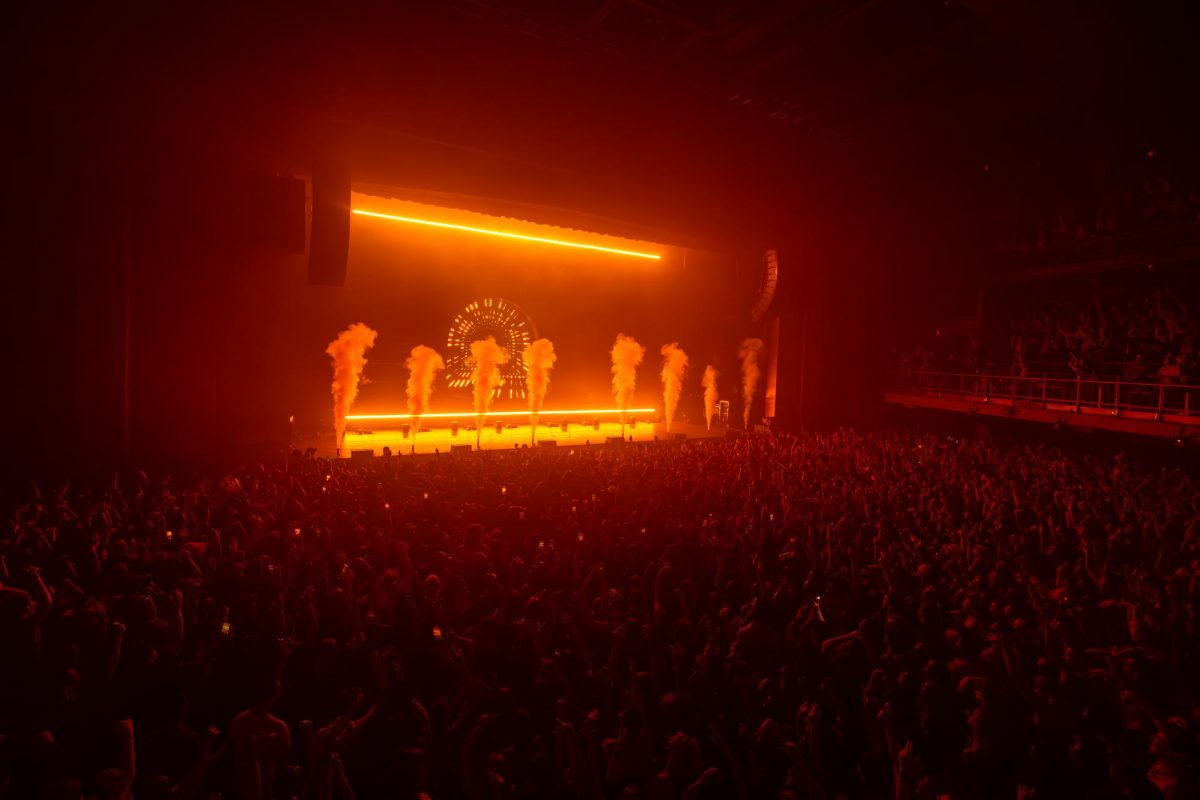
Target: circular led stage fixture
512	329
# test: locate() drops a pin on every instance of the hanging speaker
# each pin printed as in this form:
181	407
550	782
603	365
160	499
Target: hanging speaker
329	240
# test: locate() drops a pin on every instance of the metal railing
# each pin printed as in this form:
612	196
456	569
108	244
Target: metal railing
1152	400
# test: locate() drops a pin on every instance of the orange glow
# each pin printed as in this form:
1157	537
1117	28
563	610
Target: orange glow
508	235
472	414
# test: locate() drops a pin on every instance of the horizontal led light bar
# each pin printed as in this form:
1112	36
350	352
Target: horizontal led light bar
472	414
508	235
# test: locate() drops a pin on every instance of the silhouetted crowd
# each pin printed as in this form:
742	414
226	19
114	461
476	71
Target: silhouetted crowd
1140	336
1118	332
895	615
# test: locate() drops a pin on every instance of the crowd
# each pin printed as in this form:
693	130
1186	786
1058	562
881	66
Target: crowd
1147	336
1117	331
894	614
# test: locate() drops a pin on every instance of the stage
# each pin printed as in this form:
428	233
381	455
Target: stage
440	437
447	307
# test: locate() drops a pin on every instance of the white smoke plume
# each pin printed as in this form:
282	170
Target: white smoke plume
486	360
539	359
749	352
423	366
348	352
710	394
675	363
627	354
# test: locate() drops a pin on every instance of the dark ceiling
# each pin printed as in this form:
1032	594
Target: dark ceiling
809	64
694	109
872	69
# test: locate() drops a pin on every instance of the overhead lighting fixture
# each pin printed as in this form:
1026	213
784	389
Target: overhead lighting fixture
469	414
508	235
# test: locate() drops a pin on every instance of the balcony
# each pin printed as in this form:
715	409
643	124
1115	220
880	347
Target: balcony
1149	409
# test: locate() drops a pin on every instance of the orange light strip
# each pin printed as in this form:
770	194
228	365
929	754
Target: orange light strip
472	414
508	235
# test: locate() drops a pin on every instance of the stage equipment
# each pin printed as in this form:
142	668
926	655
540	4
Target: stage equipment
456	449
362	455
329	241
766	290
507	235
512	329
551	412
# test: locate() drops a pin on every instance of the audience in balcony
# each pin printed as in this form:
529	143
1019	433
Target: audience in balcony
1135	371
1099	336
1110	332
1169	372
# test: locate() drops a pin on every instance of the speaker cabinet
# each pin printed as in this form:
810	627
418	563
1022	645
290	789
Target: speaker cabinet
329	240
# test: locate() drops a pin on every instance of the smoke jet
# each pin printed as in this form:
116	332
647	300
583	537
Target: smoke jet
749	352
348	352
423	364
486	359
539	359
627	354
675	363
710	394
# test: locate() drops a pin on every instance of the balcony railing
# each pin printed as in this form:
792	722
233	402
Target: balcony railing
1144	400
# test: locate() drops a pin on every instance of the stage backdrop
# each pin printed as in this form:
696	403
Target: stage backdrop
411	282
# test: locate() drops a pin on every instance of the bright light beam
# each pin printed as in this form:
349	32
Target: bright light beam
507	235
470	414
